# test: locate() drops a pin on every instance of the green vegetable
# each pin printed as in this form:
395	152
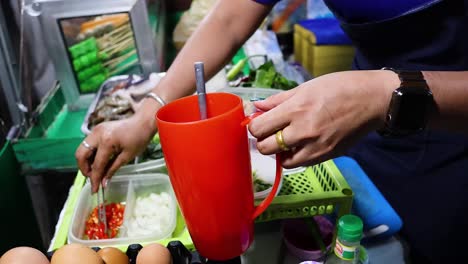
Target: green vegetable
155	139
258	184
237	68
282	83
315	231
266	76
153	151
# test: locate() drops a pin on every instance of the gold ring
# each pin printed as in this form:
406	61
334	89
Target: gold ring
280	141
87	145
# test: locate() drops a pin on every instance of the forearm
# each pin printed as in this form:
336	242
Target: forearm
450	90
219	35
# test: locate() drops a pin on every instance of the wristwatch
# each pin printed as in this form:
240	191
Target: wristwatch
410	107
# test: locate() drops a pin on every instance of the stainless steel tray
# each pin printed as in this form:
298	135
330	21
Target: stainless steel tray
108	84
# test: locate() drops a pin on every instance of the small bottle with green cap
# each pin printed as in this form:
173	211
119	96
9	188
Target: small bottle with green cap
348	241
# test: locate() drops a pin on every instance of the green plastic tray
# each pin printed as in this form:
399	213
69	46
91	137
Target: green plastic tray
319	190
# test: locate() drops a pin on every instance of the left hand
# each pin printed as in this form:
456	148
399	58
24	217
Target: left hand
321	118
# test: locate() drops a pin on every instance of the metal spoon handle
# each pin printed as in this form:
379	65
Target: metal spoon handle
201	90
102	207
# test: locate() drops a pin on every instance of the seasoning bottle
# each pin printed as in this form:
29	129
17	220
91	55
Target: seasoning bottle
348	241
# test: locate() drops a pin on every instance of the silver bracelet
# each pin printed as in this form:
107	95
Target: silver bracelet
156	97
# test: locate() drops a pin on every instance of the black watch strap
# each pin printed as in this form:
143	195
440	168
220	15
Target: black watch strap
409	78
410	105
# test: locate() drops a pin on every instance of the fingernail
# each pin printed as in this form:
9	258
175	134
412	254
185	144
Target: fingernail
105	182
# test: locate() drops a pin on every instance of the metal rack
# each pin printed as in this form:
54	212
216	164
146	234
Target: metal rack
51	12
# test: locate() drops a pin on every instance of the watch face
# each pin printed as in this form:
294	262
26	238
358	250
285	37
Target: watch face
409	109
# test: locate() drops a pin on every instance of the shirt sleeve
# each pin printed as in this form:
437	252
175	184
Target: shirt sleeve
266	2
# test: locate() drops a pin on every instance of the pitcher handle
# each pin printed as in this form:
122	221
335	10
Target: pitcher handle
279	171
267	201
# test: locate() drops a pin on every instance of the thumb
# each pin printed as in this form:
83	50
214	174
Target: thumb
274	100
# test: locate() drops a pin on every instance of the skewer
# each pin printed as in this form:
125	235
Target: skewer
120	59
123	27
118	46
123	67
102	43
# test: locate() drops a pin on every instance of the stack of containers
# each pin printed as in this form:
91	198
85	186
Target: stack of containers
321	46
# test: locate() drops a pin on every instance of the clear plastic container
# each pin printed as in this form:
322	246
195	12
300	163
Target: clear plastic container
251	94
123	189
153	166
265	168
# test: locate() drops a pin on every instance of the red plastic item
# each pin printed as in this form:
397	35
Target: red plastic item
209	166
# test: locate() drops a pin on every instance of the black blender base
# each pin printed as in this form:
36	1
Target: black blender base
236	260
181	255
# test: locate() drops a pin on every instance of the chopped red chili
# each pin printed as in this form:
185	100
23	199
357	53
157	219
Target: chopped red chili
114	216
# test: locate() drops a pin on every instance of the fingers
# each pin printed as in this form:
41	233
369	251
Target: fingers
303	151
104	154
84	156
305	155
269	122
277	114
270	145
123	158
274	100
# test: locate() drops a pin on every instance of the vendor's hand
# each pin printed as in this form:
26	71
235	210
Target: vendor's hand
113	144
321	118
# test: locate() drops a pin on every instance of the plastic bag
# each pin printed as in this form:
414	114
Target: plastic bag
318	9
264	42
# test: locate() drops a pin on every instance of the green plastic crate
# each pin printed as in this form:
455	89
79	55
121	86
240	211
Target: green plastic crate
53	139
319	190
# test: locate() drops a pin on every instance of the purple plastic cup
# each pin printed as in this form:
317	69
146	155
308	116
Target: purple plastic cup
300	242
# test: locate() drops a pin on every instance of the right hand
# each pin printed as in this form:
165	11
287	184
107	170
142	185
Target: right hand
115	144
322	118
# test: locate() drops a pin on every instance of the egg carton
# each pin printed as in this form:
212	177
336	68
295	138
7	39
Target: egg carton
178	252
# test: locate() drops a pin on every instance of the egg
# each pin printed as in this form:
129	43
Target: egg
76	254
24	255
112	255
154	254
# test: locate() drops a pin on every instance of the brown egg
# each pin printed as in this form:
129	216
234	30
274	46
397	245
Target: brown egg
23	255
112	255
76	254
154	254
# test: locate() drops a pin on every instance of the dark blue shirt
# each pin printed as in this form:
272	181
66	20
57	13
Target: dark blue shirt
369	10
424	176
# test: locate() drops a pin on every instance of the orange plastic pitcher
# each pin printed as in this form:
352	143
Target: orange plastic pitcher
209	167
